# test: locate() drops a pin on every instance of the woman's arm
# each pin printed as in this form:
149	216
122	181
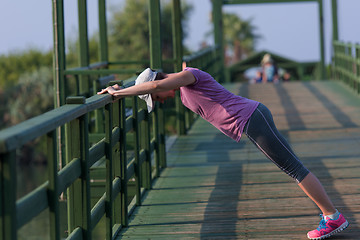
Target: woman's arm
173	81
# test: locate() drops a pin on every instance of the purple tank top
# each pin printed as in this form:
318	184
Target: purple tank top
223	109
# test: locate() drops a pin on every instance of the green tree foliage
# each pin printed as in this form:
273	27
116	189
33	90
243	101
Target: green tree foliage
32	96
12	66
240	37
129	30
18	94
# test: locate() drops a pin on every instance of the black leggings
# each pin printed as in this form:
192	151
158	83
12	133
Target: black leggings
261	130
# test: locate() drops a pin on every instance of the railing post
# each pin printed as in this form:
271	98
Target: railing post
357	63
117	161
155	34
123	163
155	52
8	196
146	171
349	64
109	171
77	145
83	46
322	44
59	53
59	68
53	186
103	56
137	171
178	54
147	140
161	134
335	34
155	119
103	41
218	35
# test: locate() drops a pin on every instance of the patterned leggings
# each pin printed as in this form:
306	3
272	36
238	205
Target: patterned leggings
261	130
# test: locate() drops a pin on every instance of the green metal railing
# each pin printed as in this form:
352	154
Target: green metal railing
104	145
346	64
74	178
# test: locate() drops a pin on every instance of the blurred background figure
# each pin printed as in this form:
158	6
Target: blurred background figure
258	77
269	69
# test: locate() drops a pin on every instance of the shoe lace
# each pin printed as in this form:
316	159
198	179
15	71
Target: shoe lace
322	224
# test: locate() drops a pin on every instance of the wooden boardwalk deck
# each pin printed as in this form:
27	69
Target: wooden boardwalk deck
215	188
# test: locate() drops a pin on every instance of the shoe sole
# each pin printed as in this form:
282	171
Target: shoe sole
339	229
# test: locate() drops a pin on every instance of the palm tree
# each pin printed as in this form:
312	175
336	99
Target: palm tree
240	37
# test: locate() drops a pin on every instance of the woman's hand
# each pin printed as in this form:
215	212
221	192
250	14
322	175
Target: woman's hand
111	89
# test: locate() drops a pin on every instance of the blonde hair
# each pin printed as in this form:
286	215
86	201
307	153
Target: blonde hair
266	59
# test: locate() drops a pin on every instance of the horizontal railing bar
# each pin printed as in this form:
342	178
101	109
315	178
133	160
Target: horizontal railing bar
96	152
32	205
14	137
98	211
98	65
141	115
169	60
115	136
130	169
91	66
142	156
152	145
35	202
115	230
68	175
129	62
75	235
129	124
342	44
97	101
100	71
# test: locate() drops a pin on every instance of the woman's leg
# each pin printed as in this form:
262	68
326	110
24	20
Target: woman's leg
262	131
316	192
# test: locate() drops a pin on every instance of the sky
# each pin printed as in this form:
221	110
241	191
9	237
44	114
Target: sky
287	29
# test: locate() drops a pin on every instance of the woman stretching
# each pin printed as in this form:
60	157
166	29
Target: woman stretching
234	115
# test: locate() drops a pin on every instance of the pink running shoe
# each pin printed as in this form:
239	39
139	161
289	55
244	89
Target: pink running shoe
328	227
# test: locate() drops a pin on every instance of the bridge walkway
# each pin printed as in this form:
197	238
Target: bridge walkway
215	188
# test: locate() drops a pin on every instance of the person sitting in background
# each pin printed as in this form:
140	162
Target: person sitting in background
258	77
269	69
